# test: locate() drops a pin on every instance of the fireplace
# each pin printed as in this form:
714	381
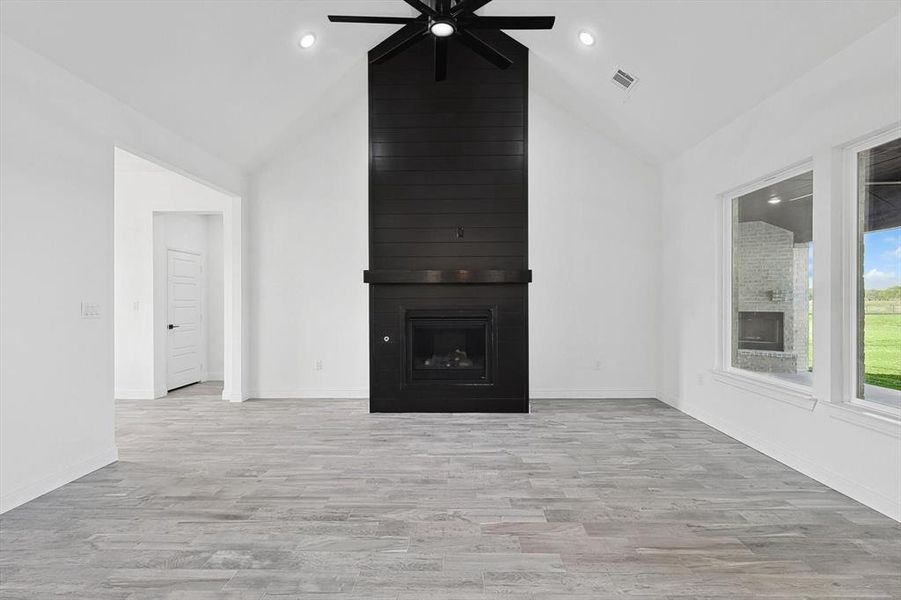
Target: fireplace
448	268
449	346
761	331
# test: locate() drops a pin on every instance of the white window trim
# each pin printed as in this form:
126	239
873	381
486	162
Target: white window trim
800	396
848	399
875	420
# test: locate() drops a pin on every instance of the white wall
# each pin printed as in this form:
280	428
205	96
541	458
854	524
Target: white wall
56	250
593	247
853	94
308	251
143	189
215	304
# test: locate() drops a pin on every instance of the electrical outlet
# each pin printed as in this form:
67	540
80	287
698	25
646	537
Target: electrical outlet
136	305
90	310
317	365
597	365
700	378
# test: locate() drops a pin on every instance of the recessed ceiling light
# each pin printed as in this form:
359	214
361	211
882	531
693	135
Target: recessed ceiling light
587	38
307	40
775	200
442	29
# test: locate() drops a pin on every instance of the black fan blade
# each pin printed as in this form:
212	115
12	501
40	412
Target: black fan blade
389	20
398	41
423	8
511	23
484	50
468	6
440	59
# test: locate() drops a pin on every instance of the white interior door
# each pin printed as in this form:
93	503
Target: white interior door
183	366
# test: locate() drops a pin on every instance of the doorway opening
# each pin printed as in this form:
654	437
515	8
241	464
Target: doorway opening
189	247
177	282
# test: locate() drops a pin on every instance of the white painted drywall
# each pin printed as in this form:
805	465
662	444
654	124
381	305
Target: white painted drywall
853	94
56	250
146	197
215	303
593	247
307	255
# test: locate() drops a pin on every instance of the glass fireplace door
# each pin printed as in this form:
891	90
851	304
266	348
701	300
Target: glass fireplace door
448	349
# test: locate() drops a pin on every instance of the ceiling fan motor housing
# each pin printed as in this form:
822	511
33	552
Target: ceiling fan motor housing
442	19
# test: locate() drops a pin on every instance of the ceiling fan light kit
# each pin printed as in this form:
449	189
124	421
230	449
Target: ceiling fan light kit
442	28
306	41
443	20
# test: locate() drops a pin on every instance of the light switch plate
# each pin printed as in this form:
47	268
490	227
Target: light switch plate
90	310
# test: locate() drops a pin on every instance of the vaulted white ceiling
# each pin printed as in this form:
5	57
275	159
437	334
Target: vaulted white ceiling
229	76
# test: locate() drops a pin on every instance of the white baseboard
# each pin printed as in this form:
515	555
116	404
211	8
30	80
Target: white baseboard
604	394
233	396
121	394
215	376
73	471
310	393
841	483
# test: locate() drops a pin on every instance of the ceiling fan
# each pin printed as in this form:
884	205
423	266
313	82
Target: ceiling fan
443	19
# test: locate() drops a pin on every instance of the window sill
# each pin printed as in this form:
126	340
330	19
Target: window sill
873	419
798	396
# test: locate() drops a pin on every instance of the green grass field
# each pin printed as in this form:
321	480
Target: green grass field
882	344
882	350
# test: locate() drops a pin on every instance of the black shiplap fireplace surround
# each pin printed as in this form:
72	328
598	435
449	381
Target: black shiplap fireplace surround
448	222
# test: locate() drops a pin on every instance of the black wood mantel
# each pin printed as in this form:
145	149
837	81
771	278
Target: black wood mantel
448	276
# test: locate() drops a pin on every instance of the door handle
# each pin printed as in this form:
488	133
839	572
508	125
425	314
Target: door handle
171	326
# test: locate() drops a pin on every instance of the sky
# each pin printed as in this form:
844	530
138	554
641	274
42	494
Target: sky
882	259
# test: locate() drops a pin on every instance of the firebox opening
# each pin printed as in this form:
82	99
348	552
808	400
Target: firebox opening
449	348
761	331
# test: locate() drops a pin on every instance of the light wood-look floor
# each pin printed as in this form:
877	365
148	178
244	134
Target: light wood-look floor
318	499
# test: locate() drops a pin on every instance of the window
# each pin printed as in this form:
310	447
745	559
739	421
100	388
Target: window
771	280
877	323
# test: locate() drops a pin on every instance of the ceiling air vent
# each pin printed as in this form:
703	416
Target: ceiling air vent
623	80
